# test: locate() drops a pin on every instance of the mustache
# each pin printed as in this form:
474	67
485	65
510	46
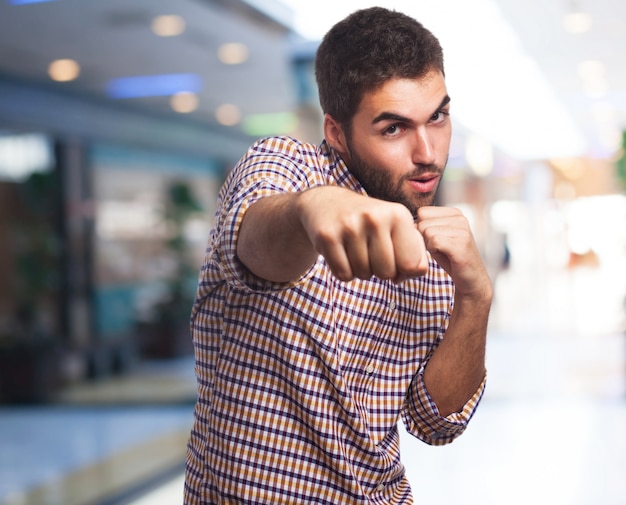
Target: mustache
430	168
422	170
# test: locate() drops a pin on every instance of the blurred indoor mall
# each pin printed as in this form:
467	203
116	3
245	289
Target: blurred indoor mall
119	120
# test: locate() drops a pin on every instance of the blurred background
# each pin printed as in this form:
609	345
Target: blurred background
120	119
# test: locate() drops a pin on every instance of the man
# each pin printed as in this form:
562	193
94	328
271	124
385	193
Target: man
335	299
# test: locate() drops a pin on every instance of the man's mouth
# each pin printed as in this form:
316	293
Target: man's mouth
425	183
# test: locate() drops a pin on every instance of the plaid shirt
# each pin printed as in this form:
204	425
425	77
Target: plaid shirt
301	385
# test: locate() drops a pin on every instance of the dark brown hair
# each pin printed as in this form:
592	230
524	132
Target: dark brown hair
365	50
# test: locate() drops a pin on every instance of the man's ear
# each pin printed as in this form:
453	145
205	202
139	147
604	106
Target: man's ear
335	136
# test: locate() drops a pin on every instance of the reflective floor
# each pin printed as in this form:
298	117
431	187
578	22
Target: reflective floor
551	428
100	443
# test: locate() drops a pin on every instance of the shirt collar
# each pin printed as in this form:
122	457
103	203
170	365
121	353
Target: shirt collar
339	170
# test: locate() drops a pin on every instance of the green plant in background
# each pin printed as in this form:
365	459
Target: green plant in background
180	206
37	251
30	337
166	334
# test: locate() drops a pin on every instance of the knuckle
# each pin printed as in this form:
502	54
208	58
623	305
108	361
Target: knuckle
362	273
385	272
343	274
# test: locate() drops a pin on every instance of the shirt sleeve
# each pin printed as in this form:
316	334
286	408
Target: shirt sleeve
422	419
271	166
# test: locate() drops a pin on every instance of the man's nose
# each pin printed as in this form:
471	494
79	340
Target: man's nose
423	150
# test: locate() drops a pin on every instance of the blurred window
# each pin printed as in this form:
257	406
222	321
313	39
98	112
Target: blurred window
153	214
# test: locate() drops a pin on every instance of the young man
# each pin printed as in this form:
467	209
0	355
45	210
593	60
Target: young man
335	299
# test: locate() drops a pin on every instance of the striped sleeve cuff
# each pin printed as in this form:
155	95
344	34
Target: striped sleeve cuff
422	419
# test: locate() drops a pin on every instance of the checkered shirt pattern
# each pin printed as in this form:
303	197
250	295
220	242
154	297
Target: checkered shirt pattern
301	385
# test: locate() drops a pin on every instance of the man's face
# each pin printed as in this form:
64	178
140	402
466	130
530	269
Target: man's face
399	140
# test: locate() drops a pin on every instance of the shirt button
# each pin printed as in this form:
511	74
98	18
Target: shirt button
392	305
380	487
370	369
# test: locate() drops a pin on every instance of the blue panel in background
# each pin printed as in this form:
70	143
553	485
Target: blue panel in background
104	155
23	2
153	85
115	311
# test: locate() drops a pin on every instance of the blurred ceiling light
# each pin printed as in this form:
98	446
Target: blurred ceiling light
184	102
232	53
168	25
228	114
577	22
63	70
479	155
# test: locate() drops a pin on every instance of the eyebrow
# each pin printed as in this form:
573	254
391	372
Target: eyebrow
392	116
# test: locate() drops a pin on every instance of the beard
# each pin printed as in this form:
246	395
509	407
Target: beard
378	183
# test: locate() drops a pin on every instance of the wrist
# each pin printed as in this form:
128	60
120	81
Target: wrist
480	296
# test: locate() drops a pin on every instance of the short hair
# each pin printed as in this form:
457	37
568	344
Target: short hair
365	50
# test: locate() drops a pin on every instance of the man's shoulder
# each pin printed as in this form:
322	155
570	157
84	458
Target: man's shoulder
287	146
318	164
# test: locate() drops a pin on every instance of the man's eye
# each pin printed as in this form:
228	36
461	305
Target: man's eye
392	130
439	116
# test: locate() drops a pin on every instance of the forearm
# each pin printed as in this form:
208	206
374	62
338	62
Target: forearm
457	367
272	243
281	236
